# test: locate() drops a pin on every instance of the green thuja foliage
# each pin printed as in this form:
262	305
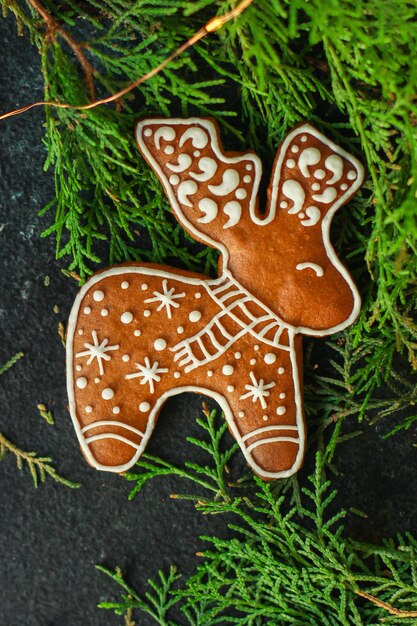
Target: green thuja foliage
212	477
39	467
346	65
286	559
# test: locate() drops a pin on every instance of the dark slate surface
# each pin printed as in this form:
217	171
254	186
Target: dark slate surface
51	538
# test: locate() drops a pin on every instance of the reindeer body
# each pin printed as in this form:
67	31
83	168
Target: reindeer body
139	333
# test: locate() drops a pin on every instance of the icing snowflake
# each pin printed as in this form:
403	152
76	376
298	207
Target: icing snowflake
258	390
166	299
97	351
148	373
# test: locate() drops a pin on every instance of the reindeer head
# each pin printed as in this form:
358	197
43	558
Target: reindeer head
283	256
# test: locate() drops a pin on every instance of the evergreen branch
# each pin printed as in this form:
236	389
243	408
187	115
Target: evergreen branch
39	467
210	479
52	28
384	605
278	569
156	602
11	362
46	414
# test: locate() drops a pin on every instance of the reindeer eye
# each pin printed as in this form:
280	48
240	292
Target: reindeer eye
312	266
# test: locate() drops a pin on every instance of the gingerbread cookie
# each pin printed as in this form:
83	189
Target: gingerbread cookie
140	333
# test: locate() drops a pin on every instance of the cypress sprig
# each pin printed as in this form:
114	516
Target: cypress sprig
11	362
211	477
284	564
39	467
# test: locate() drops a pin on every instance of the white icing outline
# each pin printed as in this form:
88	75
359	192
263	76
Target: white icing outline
259	442
93	438
265	429
112	423
312	266
221	400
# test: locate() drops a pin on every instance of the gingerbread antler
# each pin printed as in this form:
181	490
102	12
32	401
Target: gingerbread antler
139	333
210	191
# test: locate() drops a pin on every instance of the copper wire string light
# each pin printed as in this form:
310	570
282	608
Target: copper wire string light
211	26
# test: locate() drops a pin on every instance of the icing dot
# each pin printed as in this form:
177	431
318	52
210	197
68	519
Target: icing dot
304	138
320	174
160	344
343	186
282	395
88	409
174	179
283	204
249	167
270	358
301	215
295	149
97	380
82	382
290	163
137	333
241	194
256	347
147	132
210	373
78	368
81	332
177	374
351	175
228	370
180	330
237	355
196	153
104	312
126	317
194	316
125	358
281	370
252	361
230	388
241	414
197	295
144	406
116	409
281	410
107	393
265	418
247	178
315	186
98	296
169	150
146	313
87	310
124	284
144	287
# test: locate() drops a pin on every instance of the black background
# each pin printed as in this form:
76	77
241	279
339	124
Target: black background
51	538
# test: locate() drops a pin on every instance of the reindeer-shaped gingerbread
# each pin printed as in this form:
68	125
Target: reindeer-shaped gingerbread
140	333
